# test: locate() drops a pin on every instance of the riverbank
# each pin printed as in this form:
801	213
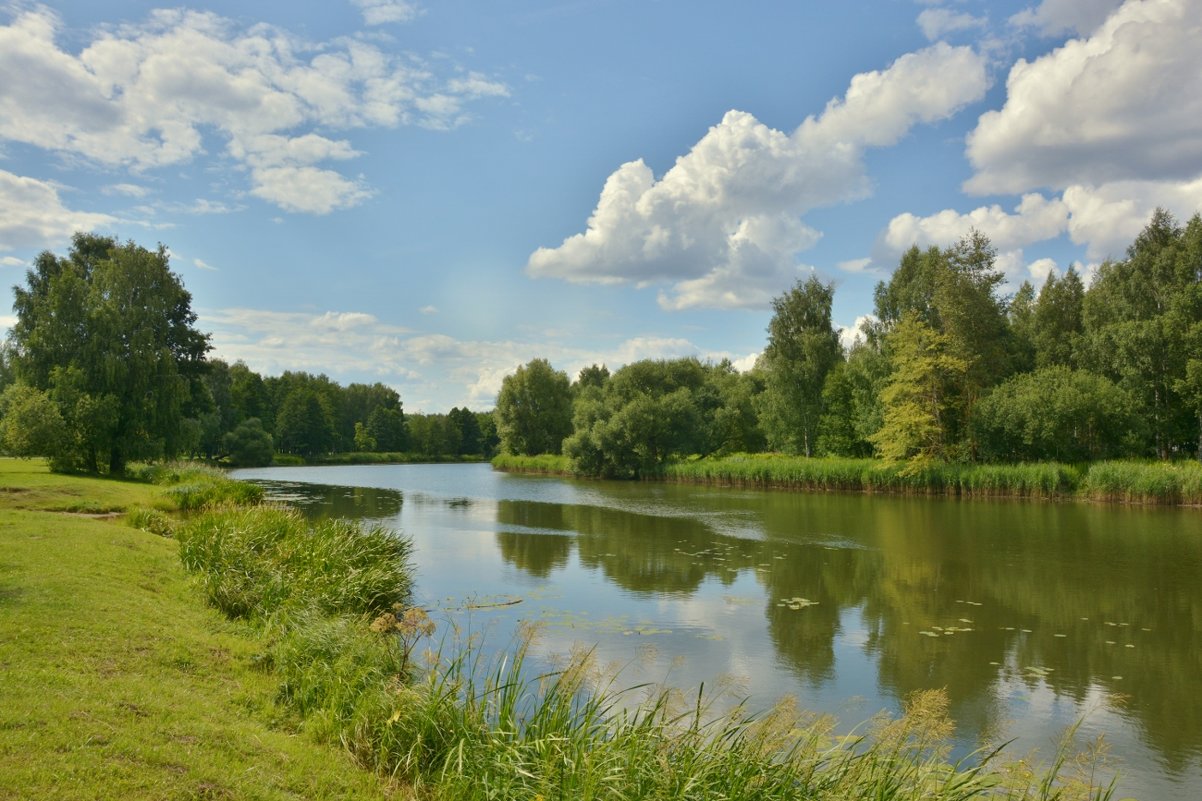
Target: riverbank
369	457
122	686
116	683
1170	483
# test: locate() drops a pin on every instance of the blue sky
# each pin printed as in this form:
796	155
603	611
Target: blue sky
429	194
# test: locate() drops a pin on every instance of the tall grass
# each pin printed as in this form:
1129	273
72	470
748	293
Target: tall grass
465	729
254	561
192	486
545	464
1144	482
1042	480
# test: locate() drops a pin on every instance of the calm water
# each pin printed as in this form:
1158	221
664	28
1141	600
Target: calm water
1030	615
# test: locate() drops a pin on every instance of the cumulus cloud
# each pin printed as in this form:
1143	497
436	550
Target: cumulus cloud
722	227
935	23
1111	107
1053	17
32	215
186	83
1034	219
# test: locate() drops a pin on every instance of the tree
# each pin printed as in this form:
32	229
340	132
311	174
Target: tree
249	444
304	425
1137	314
1057	326
802	348
387	427
30	423
1056	413
109	330
916	405
534	409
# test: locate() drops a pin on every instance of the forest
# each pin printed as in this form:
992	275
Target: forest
105	365
950	370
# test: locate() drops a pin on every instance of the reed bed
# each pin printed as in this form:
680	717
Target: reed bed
1144	482
1113	481
544	464
1045	480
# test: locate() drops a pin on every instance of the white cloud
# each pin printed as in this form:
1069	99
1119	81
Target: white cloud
128	190
308	189
428	310
201	264
11	261
1107	218
1034	219
863	265
1040	269
722	227
1112	107
186	84
938	22
432	371
1053	17
380	12
32	214
849	335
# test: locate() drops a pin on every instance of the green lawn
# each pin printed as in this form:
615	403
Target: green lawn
116	681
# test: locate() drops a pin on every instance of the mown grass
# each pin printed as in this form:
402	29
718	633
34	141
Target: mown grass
116	683
1114	481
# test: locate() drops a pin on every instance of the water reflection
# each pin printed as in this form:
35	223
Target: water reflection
321	500
1028	614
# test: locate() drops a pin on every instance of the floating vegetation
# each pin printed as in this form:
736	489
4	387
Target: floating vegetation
796	603
1059	635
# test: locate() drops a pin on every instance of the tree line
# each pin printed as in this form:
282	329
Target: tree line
950	369
105	365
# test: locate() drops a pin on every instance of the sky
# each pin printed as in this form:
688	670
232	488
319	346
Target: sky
429	193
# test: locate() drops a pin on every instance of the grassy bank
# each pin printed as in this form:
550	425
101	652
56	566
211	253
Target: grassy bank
116	683
1116	481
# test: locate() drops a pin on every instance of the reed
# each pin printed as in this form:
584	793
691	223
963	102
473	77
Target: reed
1044	480
1144	482
543	464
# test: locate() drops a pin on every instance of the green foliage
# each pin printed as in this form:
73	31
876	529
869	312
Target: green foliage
546	463
651	411
802	349
534	409
109	332
1057	325
304	424
30	423
1046	480
1056	413
1144	482
917	401
254	562
248	445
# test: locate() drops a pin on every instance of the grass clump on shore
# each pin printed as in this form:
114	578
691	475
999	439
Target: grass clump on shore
254	561
1144	482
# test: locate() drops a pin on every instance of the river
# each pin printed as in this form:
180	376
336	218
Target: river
1031	615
